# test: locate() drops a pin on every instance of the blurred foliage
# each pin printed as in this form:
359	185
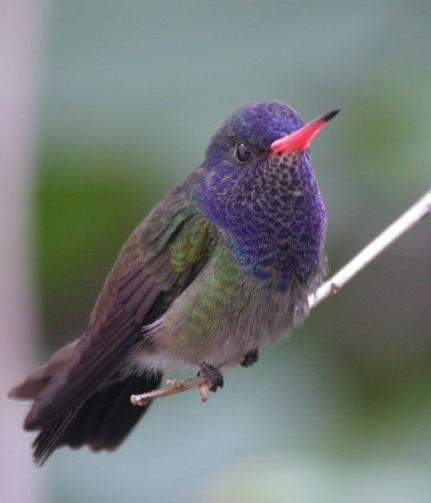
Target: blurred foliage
86	206
132	92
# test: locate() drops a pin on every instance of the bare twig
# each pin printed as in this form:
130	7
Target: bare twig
416	213
173	386
420	210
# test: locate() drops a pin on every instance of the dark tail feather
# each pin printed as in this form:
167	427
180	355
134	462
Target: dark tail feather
102	422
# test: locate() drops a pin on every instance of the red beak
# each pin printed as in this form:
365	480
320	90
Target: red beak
301	138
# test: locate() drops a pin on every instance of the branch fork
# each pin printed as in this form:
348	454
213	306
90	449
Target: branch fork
172	387
416	213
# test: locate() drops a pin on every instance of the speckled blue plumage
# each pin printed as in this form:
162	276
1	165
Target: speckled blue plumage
271	208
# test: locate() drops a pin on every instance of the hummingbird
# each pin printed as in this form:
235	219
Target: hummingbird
220	267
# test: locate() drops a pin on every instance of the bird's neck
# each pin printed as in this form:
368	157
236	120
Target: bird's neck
278	235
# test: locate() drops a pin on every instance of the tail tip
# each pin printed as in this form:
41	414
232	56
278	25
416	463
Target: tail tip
31	421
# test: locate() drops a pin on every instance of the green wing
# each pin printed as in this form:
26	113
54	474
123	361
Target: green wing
159	260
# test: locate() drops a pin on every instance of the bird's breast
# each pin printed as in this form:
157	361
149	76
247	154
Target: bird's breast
281	243
226	313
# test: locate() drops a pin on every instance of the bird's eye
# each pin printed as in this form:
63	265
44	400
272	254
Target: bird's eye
242	152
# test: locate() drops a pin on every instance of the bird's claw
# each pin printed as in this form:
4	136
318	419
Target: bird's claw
213	375
250	358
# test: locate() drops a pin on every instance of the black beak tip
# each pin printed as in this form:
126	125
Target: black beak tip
330	115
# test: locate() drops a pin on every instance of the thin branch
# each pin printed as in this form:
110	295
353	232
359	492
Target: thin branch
174	386
420	210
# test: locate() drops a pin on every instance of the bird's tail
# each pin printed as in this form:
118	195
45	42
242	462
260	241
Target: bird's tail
102	421
34	384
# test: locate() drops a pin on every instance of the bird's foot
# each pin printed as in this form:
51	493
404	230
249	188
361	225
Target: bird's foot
250	358
213	375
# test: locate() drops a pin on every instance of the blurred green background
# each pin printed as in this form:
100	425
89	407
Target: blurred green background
131	92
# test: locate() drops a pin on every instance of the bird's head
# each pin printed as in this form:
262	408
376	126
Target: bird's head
258	178
256	139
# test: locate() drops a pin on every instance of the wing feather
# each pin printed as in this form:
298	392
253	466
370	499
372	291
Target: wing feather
158	261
